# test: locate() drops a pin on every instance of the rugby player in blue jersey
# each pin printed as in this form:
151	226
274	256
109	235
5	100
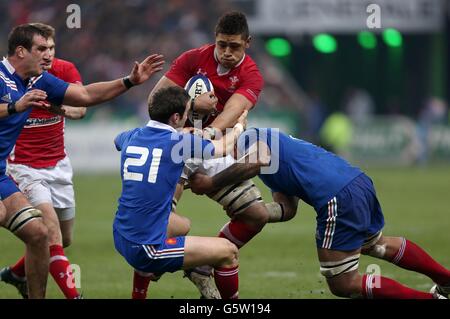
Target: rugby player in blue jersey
349	216
23	85
152	160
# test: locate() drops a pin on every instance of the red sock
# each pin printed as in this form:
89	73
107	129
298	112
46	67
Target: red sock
61	272
238	232
379	287
19	268
227	282
412	257
140	285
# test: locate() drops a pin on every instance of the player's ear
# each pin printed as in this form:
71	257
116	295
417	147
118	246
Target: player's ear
174	119
20	51
247	42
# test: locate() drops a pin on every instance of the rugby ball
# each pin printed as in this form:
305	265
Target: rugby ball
198	84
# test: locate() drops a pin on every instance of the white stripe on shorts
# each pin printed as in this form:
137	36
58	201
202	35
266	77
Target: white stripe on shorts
331	224
152	253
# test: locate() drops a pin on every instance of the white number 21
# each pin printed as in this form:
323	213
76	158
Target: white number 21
143	152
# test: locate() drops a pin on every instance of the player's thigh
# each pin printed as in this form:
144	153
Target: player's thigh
24	221
178	225
212	251
340	268
51	221
243	198
290	204
32	182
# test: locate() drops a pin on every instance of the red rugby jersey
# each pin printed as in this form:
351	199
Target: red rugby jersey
41	142
244	78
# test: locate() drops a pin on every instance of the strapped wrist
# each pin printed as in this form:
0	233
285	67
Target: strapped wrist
126	81
239	127
11	108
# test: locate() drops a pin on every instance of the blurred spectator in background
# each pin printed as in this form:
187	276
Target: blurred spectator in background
359	105
112	34
434	112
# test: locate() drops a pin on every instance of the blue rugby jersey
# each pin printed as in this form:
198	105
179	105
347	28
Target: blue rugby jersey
152	160
12	88
305	170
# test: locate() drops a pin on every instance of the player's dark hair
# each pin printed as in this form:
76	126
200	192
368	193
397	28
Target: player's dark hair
48	29
22	35
232	23
166	102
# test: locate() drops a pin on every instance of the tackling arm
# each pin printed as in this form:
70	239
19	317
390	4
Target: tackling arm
244	169
225	145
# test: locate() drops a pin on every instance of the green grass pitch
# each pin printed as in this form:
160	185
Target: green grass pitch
279	263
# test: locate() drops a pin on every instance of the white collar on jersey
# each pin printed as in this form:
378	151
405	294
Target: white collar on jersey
8	66
221	70
161	126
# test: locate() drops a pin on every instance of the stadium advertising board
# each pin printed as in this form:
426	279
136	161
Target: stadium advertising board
342	16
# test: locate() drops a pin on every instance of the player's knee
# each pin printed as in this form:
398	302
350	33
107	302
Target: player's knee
289	212
346	286
340	290
185	226
377	251
231	253
374	246
38	233
256	216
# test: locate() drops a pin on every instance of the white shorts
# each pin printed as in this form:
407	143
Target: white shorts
47	185
211	166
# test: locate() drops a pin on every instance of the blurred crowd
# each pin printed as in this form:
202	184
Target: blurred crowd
115	33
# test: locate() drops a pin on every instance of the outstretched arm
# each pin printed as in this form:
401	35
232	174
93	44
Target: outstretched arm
99	92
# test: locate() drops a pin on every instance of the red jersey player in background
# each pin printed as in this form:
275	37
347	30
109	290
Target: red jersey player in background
237	84
40	166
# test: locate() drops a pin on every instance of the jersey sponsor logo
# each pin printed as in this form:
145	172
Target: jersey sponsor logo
33	122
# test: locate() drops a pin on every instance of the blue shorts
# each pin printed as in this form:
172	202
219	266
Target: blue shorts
7	186
166	257
351	217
